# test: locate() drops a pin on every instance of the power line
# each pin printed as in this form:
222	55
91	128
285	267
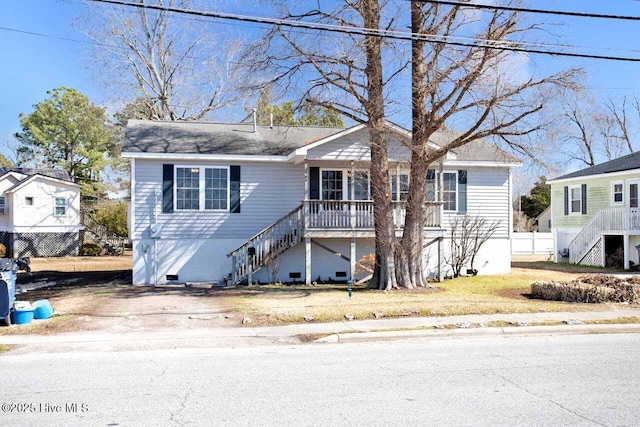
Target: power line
528	10
68	39
487	44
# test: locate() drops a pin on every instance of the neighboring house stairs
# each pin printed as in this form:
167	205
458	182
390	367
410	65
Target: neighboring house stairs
96	233
587	247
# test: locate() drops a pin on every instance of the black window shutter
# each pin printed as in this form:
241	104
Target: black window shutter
584	199
462	191
314	183
566	200
234	189
167	188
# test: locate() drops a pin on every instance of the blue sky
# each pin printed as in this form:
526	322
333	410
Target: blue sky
32	65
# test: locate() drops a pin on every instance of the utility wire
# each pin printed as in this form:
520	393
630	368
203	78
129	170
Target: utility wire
528	10
487	44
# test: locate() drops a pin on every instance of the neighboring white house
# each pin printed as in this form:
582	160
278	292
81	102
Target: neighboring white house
217	202
39	212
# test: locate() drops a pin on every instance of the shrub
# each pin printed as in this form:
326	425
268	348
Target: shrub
90	249
113	216
590	289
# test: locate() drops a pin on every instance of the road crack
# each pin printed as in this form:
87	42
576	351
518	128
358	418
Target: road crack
183	406
559	405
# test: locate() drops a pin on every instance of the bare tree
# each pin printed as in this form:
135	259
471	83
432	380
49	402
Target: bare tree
180	69
465	88
344	74
618	128
466	236
581	132
592	131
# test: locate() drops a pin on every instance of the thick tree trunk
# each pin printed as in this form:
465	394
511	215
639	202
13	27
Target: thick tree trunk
384	275
410	250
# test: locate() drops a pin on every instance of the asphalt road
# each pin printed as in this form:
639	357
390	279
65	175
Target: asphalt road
517	380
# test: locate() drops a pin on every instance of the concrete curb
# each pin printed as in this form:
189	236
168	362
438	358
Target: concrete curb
480	332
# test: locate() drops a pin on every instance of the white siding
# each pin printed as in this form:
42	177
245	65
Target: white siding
487	197
355	146
267	192
40	216
5	184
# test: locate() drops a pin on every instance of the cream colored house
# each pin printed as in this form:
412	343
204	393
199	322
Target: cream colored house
543	221
595	216
39	212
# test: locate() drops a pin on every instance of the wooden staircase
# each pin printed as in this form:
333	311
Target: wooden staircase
96	233
265	246
609	220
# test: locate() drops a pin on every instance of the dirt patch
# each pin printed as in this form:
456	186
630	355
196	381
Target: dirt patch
82	263
521	293
96	294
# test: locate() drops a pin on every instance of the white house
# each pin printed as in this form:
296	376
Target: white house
216	202
39	212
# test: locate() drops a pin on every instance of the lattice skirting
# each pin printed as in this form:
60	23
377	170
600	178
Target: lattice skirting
594	256
41	244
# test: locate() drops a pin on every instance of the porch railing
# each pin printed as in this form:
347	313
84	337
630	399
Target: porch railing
608	220
358	214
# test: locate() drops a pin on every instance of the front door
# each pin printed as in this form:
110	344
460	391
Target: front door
632	191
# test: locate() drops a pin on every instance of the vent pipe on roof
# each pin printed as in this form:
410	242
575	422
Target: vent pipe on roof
255	120
271	121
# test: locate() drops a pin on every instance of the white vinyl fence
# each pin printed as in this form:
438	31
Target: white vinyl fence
531	243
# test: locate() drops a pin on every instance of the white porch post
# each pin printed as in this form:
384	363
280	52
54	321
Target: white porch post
307	260
626	251
440	273
439	190
398	206
352	197
352	261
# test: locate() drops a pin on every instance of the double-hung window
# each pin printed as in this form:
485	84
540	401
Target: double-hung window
3	206
188	189
201	188
575	200
60	208
450	191
215	189
617	192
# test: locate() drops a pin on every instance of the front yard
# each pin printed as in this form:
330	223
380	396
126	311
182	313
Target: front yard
273	304
95	294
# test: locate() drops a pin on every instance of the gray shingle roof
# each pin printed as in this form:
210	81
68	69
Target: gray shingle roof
628	162
143	136
483	151
51	173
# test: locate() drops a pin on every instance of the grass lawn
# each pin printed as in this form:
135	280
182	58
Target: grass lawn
273	304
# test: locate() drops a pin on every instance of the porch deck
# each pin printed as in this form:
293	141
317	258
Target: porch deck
319	219
328	218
